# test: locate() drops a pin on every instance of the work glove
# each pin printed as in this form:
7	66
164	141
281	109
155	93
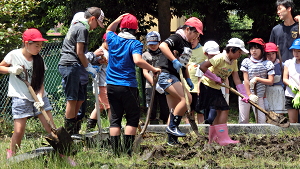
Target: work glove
253	82
97	68
159	89
296	101
242	90
294	89
226	96
277	78
190	83
176	64
91	70
16	70
253	98
212	76
39	105
266	104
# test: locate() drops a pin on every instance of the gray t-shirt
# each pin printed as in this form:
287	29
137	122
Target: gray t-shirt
77	33
152	60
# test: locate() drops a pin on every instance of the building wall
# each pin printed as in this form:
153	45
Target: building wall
175	23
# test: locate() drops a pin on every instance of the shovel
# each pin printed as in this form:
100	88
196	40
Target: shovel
139	138
59	138
272	117
188	105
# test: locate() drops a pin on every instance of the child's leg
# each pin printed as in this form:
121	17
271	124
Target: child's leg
222	117
293	115
44	121
244	110
200	118
261	116
19	130
175	90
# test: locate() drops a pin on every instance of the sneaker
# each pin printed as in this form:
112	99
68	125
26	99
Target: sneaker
9	153
175	132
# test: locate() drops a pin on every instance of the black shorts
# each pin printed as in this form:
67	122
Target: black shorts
211	98
288	103
123	100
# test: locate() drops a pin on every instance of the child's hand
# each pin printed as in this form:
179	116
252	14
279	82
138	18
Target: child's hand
16	70
253	82
99	52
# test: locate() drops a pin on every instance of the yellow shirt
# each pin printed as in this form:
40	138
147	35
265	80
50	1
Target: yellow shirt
221	69
197	57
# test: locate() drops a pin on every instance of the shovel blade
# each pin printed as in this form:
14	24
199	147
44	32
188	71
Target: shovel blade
278	120
62	142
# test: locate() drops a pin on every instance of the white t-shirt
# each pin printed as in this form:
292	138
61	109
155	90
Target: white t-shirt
17	88
294	75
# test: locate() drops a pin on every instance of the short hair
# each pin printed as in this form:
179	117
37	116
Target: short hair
233	49
286	4
186	26
92	11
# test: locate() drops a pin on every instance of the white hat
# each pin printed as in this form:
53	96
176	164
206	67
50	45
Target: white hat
211	47
236	42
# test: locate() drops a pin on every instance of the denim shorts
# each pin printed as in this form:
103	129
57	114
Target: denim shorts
23	108
165	80
73	89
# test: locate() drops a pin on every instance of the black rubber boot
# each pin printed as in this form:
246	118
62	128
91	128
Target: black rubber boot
70	125
91	124
173	140
173	126
77	126
128	142
115	145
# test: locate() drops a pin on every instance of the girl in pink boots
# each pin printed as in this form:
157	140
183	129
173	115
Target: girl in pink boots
216	70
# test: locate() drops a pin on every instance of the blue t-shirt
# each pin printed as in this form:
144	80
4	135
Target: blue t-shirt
121	68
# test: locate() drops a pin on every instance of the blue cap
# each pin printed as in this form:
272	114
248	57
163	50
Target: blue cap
153	38
296	44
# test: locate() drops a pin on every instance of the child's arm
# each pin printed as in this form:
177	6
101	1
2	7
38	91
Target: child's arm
148	76
269	81
204	68
246	82
137	59
5	68
113	26
168	53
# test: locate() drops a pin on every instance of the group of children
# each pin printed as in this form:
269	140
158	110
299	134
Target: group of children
203	67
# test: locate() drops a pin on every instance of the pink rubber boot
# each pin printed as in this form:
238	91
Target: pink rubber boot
222	134
9	153
212	135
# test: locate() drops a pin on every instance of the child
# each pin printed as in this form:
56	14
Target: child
258	72
179	43
196	58
211	48
102	95
72	59
23	104
152	56
124	53
291	78
216	70
275	93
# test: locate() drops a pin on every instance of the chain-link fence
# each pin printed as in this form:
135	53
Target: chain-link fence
51	54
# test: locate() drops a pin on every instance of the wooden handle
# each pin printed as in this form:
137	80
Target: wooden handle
187	101
242	96
155	78
42	109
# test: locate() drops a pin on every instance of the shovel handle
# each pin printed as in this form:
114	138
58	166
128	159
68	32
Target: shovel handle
242	96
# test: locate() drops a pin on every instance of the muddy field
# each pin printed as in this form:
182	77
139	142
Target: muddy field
262	151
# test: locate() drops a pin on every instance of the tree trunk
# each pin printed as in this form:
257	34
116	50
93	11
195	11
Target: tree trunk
164	18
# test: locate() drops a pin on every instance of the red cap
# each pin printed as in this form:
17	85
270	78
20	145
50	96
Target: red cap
195	22
271	47
33	34
129	21
258	41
